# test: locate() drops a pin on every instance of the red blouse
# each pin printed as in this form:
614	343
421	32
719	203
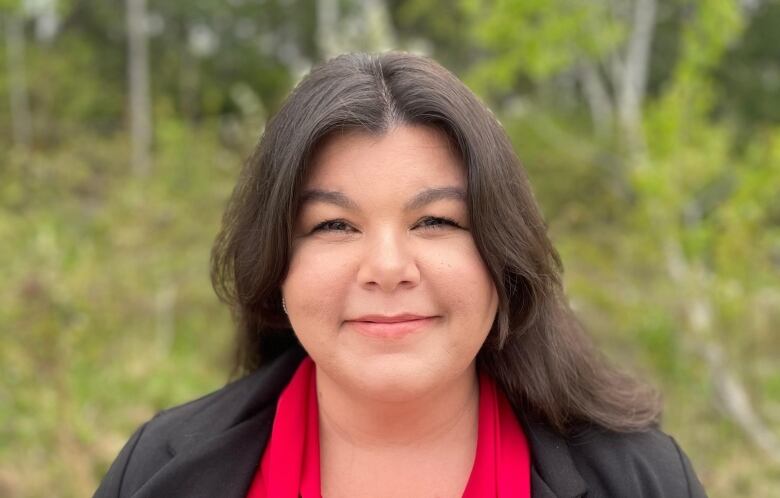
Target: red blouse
290	466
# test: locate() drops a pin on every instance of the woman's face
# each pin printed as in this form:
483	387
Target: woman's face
372	242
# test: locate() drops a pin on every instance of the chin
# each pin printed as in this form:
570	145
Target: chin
398	381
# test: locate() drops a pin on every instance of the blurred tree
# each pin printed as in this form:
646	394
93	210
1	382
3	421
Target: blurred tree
21	126
139	103
346	26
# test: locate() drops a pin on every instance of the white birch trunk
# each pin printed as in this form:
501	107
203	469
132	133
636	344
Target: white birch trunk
633	72
729	388
597	97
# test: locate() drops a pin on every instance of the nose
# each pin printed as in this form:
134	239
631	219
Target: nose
388	262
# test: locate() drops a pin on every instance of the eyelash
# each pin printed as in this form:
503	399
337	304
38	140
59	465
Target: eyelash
445	222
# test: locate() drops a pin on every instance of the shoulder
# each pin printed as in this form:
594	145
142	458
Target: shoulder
184	427
646	463
216	411
598	462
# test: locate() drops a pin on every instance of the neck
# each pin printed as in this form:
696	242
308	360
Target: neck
435	418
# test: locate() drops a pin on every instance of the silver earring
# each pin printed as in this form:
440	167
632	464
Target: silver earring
284	306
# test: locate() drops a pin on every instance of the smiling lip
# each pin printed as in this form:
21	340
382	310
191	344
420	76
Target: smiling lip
387	327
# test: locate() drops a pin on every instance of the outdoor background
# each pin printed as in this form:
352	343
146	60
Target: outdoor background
650	130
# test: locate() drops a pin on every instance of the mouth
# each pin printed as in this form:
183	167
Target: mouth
391	327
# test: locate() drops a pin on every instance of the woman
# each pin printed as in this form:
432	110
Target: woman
403	329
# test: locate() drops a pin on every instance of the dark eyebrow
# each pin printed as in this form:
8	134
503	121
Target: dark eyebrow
420	199
427	196
328	197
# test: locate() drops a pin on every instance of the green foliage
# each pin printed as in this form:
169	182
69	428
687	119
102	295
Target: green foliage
748	77
536	38
108	299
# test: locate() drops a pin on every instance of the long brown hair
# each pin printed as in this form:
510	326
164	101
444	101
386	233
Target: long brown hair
536	350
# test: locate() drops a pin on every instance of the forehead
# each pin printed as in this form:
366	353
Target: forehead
407	156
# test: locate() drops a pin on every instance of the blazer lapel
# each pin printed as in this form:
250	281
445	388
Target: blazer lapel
216	453
553	473
222	465
539	488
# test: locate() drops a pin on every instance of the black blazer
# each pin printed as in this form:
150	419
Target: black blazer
210	447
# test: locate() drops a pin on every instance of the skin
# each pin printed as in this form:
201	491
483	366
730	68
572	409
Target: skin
398	415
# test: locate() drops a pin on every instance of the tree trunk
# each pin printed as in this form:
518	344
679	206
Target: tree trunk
21	121
369	28
633	72
729	388
378	29
328	28
598	98
138	83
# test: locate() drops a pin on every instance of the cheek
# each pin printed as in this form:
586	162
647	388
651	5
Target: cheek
316	284
463	281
